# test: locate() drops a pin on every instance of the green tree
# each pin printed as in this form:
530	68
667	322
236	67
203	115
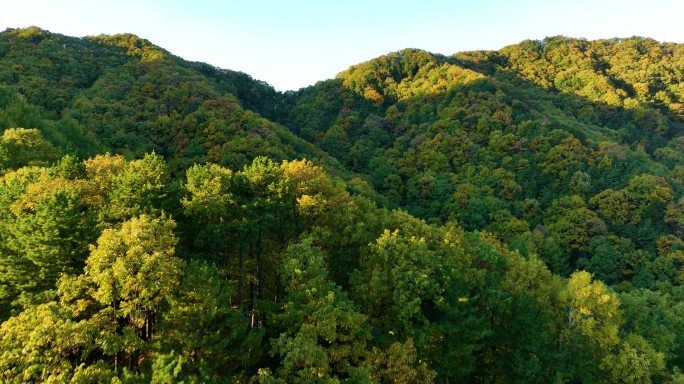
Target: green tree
104	321
635	362
674	216
140	188
565	158
657	317
322	334
573	224
592	323
208	339
394	281
46	226
134	271
42	343
617	206
398	365
20	147
54	240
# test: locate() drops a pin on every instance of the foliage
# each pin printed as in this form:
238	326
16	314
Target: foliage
511	216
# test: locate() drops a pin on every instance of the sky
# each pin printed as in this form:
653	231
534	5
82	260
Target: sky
294	43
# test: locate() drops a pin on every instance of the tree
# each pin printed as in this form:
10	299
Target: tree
657	317
617	206
394	280
398	365
133	271
580	183
314	190
208	339
46	225
565	158
652	193
572	223
104	320
635	362
101	171
674	216
140	188
322	334
53	239
210	197
592	323
267	208
429	284
606	259
42	343
592	310
130	278
20	147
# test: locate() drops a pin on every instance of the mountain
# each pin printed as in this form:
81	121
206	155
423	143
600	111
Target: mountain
123	94
496	139
491	216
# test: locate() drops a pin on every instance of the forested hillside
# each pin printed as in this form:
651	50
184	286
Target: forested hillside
511	216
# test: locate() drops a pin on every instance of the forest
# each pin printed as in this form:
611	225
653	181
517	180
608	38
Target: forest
510	216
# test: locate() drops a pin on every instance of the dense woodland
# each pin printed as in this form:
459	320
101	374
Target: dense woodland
511	216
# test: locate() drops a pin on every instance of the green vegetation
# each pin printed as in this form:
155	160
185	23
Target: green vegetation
493	217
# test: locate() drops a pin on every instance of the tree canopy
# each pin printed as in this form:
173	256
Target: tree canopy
511	216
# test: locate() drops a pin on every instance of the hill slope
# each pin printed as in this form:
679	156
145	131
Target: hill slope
442	231
128	96
504	141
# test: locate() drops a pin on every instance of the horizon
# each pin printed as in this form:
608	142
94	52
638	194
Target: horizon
295	45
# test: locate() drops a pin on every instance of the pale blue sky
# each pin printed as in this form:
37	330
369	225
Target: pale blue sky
291	44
